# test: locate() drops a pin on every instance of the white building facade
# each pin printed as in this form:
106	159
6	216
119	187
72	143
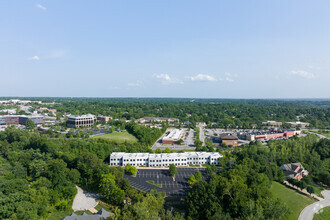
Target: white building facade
164	159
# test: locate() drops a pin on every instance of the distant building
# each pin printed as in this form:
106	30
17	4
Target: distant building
165	159
272	123
9	111
102	214
273	133
294	170
103	119
298	124
229	139
156	119
201	123
76	121
172	136
21	119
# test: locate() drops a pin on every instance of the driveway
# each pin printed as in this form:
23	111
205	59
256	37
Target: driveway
308	212
84	200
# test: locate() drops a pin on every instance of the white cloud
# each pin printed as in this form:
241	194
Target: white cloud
166	79
41	7
229	77
135	84
302	74
202	77
34	58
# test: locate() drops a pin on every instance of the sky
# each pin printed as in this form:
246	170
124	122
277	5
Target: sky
165	48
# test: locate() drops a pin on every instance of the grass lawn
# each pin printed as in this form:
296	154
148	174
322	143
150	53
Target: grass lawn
119	137
153	183
323	214
294	200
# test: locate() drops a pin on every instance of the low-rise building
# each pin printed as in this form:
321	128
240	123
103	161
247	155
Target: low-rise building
21	119
229	139
172	136
102	214
294	171
272	123
298	124
76	121
156	119
103	119
164	159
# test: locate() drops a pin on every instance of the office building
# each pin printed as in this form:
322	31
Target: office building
21	119
76	121
164	159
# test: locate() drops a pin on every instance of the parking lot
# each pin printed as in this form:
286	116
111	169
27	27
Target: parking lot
177	188
188	142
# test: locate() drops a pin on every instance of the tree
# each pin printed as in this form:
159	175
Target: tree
198	175
167	150
180	142
158	151
173	170
29	124
302	185
111	129
131	169
310	189
192	179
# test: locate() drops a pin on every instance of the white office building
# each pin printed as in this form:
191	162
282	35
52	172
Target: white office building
76	121
164	159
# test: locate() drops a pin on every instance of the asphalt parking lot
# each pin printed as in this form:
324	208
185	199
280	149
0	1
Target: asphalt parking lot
177	188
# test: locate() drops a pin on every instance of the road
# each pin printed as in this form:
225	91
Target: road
308	212
320	135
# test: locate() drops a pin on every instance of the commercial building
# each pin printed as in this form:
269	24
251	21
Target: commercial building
273	133
164	159
156	119
272	123
76	121
294	170
229	139
298	124
21	119
172	136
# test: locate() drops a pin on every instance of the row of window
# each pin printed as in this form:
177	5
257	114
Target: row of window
162	165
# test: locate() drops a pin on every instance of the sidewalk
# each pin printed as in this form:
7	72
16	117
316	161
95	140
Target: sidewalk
304	191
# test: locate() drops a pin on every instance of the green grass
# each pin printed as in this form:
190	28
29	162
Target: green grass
153	183
119	137
294	200
323	214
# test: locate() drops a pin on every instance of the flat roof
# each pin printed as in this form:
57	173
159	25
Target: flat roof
175	134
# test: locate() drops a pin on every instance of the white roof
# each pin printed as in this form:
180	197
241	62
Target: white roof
82	116
175	134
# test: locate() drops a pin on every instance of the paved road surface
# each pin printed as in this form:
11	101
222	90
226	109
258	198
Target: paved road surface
84	200
308	212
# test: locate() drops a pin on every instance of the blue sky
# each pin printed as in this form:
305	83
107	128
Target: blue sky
165	48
